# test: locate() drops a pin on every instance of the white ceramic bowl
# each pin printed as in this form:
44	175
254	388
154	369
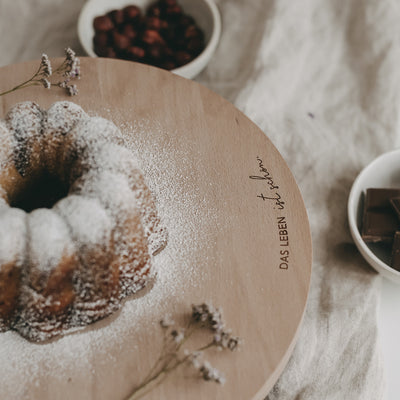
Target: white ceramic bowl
383	172
205	12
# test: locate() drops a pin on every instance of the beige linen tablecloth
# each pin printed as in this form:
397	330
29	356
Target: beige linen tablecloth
322	80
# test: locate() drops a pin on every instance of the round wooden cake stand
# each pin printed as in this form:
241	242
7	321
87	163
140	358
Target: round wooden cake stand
255	265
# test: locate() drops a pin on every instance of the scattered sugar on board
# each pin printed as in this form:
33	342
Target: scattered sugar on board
25	367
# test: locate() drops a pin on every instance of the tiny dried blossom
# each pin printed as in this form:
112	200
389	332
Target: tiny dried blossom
73	63
75	73
209	373
234	343
74	70
70	69
72	90
207	313
46	83
177	336
167	321
225	340
45	65
63	84
70	55
200	312
194	359
221	339
216	320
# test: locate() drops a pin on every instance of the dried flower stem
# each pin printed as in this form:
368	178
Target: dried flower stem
27	83
162	374
69	69
171	358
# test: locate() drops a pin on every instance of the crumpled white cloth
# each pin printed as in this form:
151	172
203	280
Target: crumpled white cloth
322	79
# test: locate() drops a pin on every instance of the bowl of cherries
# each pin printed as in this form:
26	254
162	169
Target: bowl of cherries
176	35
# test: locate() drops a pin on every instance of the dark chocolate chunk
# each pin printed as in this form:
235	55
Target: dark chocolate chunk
379	219
380	198
395	263
395	202
379	226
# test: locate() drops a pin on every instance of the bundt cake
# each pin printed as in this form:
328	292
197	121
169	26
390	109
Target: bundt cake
78	225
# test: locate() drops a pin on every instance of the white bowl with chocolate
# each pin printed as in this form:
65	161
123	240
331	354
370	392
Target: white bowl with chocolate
177	35
374	214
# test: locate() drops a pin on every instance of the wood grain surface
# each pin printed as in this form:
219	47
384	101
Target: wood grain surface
257	267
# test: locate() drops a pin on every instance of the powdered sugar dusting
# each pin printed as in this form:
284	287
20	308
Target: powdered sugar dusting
48	240
5	145
25	123
88	220
61	117
114	227
12	234
111	188
25	366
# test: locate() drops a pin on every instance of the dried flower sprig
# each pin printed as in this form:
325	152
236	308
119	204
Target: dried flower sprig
173	355
44	76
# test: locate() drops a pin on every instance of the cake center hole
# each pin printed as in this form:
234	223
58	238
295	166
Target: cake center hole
43	192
